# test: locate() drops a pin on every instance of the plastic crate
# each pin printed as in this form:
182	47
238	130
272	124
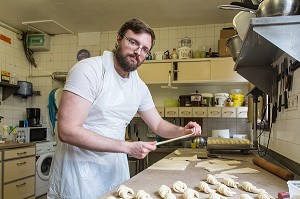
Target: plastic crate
294	188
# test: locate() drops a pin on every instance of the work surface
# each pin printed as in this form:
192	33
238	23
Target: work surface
150	180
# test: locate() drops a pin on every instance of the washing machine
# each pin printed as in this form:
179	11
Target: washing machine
44	155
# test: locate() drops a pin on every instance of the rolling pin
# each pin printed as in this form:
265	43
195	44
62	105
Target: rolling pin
276	170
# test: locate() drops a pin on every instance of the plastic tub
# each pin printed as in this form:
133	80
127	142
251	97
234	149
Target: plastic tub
220	99
207	99
294	188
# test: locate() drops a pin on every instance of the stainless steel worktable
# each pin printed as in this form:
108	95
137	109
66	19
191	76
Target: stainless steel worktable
150	180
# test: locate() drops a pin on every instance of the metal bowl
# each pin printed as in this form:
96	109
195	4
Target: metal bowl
200	141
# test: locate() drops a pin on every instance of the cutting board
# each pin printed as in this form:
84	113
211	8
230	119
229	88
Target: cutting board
166	164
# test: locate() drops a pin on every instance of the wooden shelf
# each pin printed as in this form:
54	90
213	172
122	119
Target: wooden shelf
8	89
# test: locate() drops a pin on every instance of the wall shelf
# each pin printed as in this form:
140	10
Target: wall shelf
8	89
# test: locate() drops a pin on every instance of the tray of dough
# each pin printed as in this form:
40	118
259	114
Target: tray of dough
228	143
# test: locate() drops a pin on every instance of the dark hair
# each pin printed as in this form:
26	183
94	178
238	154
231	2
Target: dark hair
137	26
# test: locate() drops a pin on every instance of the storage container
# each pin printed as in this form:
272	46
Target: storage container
207	99
220	99
294	188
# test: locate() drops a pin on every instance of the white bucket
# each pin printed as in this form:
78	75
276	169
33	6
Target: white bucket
223	133
220	99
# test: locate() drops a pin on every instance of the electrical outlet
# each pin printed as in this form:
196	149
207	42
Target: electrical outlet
292	102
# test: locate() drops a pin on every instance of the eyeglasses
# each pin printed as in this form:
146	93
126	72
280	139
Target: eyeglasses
136	45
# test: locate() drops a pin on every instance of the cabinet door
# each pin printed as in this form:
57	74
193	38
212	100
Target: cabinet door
185	112
18	152
222	69
242	112
193	71
213	111
228	112
19	189
154	73
199	111
171	111
19	168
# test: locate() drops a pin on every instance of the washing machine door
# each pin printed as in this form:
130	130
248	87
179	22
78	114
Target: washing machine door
43	164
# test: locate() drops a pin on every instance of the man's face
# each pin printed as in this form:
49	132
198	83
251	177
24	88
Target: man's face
132	50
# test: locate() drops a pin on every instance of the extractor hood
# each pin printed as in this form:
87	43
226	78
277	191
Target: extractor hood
267	39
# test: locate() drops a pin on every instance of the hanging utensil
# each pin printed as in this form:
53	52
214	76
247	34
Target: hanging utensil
269	8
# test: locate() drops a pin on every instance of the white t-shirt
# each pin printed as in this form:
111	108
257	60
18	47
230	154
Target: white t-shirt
80	173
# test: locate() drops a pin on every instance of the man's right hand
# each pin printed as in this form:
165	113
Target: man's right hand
139	149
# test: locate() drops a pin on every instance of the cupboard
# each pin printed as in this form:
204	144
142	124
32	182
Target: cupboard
204	70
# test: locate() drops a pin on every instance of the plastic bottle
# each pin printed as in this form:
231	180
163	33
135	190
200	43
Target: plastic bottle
5	135
174	54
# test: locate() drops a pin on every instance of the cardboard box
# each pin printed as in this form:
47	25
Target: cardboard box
224	51
227	33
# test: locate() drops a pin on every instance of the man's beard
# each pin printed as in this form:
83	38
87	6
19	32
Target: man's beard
123	61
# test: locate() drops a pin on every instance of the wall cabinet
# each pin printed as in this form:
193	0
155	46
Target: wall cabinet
193	71
205	70
18	167
155	73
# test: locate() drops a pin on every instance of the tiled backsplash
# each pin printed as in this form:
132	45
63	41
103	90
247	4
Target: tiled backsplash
235	126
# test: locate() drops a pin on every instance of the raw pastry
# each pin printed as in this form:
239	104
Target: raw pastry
204	187
125	192
190	194
111	197
216	196
141	194
247	186
230	182
245	196
179	186
264	195
163	190
223	189
211	179
170	196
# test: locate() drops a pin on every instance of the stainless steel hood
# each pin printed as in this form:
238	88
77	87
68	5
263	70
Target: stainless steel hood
267	39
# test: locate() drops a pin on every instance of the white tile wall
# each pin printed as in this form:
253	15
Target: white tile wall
285	136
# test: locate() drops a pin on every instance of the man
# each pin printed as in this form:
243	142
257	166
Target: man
100	97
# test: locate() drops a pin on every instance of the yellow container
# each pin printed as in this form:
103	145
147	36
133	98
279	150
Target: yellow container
238	99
